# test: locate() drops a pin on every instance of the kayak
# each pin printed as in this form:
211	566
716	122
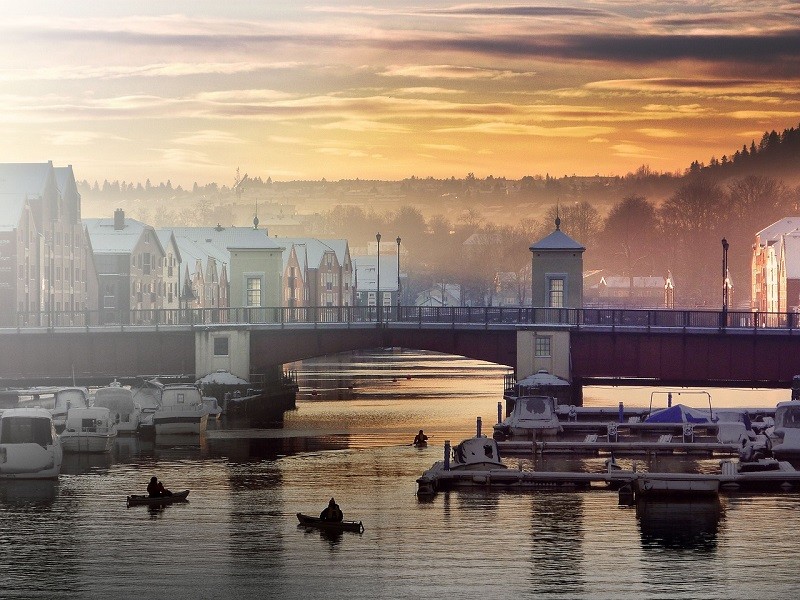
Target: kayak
176	497
330	525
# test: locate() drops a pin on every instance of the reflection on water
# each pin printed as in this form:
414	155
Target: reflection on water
238	534
680	525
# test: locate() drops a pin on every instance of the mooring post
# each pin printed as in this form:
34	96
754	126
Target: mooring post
478	427
621	413
499	412
447	455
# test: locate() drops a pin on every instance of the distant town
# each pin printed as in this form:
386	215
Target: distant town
652	240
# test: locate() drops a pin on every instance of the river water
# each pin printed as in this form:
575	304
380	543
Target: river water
238	536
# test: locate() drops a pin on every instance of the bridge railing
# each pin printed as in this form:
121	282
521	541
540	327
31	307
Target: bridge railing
487	315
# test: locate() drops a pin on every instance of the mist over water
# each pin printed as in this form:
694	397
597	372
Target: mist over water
238	534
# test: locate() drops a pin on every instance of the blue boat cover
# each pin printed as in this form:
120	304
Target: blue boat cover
677	414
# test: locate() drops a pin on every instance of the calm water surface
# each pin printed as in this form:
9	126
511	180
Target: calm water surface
238	536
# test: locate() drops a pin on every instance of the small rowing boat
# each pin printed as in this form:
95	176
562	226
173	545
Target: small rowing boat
135	500
309	521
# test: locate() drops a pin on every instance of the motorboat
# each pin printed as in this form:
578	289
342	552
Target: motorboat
29	445
477	453
89	430
124	411
532	416
138	500
309	521
785	435
63	400
181	411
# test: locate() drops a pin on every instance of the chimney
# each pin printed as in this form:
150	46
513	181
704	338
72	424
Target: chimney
119	219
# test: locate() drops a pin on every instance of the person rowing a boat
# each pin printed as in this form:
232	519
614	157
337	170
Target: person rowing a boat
156	489
332	512
420	439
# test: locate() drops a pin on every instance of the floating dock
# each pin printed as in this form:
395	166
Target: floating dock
603	445
765	475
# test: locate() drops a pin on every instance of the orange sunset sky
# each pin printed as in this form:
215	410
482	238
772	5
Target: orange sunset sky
190	90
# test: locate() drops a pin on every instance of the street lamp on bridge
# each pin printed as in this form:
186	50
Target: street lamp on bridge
725	290
378	280
398	277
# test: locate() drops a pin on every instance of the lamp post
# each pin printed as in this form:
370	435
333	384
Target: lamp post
378	282
725	281
398	277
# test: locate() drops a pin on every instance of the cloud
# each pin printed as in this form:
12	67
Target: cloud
362	125
450	72
631	151
206	137
81	138
499	128
661	133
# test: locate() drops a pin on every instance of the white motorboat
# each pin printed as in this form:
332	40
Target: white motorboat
532	416
477	453
125	413
29	445
181	411
89	430
785	435
63	400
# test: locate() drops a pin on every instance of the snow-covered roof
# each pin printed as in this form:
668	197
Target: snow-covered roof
541	378
558	240
202	251
773	232
229	237
222	378
19	181
108	240
165	237
613	281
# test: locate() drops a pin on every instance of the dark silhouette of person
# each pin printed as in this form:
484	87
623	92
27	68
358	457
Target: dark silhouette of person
162	491
152	488
332	512
420	439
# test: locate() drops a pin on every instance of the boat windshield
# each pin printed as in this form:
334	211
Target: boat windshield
535	407
26	430
788	417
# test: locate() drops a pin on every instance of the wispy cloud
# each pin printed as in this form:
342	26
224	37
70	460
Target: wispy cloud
450	72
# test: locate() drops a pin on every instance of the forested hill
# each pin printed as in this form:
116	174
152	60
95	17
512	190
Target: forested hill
775	155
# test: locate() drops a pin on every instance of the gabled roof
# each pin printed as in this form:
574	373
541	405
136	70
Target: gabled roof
192	252
773	232
315	249
18	182
229	237
167	237
107	240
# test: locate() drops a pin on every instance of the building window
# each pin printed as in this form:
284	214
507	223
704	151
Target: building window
542	346
556	293
253	291
221	346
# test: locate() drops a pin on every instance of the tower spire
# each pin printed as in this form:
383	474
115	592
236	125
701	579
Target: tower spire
558	219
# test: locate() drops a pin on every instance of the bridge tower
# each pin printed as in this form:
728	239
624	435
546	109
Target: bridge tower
557	271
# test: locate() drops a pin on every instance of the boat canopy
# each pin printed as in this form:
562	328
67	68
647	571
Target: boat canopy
115	399
787	415
26	426
71	398
678	413
534	408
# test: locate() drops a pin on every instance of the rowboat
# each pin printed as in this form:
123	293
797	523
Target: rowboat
136	500
309	521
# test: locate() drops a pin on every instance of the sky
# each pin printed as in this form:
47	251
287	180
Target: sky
188	91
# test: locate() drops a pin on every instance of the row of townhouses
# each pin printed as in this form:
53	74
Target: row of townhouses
54	262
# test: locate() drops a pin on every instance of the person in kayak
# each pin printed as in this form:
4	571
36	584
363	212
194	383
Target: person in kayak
156	489
332	512
420	439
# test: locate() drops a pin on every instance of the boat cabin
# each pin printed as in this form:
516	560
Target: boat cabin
180	395
477	453
89	420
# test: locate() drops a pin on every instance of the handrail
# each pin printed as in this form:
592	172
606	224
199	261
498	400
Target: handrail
411	315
